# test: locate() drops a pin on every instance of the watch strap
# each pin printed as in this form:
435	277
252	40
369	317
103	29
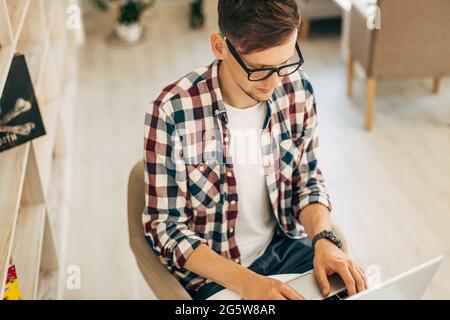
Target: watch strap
329	235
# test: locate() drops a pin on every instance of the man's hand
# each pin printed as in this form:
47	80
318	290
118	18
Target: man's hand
330	259
258	287
233	276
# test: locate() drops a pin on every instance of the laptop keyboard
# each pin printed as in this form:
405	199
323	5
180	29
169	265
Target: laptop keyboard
338	296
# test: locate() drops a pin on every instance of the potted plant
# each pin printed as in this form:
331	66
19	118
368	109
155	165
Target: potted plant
128	26
197	16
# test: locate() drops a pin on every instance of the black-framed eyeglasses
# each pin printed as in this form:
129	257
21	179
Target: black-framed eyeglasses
260	74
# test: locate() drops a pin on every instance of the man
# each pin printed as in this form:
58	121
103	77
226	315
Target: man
218	219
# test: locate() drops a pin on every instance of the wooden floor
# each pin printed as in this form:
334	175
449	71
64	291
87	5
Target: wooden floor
390	188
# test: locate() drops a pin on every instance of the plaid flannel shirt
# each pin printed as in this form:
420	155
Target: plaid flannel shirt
190	188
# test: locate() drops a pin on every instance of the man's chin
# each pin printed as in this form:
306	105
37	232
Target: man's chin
264	97
260	97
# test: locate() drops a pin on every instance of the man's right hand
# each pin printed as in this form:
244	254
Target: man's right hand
233	276
258	287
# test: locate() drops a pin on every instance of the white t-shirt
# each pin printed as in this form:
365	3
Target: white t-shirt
255	224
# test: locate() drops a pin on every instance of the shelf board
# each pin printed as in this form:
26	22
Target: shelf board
27	248
48	285
5	28
35	54
45	145
33	41
17	10
32	193
13	164
6	55
49	268
33	28
49	99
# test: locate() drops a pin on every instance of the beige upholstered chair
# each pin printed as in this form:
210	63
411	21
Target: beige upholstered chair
163	284
413	41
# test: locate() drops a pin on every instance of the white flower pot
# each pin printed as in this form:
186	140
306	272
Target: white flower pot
128	32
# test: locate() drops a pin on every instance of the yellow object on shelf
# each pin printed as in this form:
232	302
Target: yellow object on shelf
12	291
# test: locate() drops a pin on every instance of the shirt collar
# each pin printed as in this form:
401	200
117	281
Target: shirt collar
218	107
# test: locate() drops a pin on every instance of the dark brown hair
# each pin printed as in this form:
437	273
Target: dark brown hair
255	25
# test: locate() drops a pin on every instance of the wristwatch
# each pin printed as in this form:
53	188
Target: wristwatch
330	236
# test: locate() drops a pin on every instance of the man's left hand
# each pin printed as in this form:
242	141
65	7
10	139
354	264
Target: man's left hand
330	259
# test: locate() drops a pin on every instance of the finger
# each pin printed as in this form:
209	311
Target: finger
358	278
279	296
363	275
322	278
347	277
291	294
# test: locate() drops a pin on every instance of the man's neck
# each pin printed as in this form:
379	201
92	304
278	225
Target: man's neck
232	94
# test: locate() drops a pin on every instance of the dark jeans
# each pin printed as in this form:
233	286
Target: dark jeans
283	255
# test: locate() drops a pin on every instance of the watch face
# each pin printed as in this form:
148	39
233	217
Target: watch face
332	236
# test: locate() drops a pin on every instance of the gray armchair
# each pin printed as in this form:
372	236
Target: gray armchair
163	284
413	41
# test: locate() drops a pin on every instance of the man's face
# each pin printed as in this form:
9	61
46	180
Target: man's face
272	57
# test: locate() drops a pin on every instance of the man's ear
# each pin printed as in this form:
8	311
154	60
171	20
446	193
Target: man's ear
218	46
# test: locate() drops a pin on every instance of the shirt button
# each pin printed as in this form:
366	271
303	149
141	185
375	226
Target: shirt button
231	230
229	174
226	139
233	202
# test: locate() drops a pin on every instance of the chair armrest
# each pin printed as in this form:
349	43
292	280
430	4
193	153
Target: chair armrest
163	284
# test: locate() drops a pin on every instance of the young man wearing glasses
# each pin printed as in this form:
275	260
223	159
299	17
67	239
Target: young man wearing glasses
233	189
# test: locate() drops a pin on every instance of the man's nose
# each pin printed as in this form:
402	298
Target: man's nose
273	81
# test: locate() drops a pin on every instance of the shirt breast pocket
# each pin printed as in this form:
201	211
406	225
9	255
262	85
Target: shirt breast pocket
204	185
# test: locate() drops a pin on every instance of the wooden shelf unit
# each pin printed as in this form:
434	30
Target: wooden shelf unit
32	203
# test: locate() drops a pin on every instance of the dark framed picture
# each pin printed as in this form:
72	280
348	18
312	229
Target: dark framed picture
20	119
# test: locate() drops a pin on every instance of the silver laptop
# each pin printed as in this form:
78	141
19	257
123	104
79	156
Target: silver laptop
409	285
